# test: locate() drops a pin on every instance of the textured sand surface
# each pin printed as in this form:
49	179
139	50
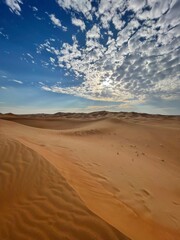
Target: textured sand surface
96	176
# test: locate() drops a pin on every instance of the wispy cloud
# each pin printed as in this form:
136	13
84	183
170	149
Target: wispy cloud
3	34
14	5
17	81
4	88
57	22
35	9
29	55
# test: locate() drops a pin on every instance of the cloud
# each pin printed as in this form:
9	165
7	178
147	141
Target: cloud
4	88
108	9
29	55
79	23
4	35
41	83
57	22
52	60
35	9
83	7
136	61
14	6
136	5
118	23
94	32
17	81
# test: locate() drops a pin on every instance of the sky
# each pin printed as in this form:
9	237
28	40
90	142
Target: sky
90	55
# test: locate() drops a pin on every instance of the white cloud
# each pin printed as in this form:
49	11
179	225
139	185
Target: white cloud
29	55
136	5
118	23
158	8
41	83
81	6
47	46
79	23
17	81
4	88
57	22
52	60
108	9
46	88
14	6
94	32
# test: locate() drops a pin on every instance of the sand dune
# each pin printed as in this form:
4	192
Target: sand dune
73	176
37	203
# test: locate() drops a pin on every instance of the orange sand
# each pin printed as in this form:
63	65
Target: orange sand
97	176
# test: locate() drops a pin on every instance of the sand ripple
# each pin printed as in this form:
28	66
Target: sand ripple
37	203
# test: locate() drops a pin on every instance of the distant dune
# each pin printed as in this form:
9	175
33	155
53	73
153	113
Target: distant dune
100	175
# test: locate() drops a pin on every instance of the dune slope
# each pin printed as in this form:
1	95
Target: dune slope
37	203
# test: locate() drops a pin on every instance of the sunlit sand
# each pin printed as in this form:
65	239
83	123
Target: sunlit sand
96	176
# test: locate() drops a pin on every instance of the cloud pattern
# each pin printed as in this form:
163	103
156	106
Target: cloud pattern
131	54
131	51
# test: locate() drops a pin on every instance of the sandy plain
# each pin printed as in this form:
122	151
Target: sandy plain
90	176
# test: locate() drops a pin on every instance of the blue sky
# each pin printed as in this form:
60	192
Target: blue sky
86	55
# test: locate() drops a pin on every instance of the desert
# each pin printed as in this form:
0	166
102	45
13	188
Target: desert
101	175
90	120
